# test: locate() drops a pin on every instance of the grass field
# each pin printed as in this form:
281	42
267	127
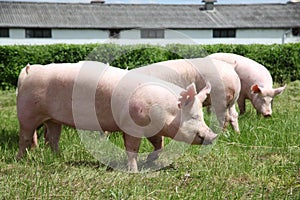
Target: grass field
261	163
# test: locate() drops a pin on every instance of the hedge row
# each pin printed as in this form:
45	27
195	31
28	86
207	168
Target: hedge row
283	61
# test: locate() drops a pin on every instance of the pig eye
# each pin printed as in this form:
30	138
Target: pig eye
196	117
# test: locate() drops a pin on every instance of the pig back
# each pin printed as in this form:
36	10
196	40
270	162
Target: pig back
49	91
180	72
249	71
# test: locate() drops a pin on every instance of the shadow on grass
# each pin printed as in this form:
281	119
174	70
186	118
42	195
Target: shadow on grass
145	167
9	140
90	164
155	166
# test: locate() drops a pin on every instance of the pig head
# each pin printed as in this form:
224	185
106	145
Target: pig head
256	83
262	98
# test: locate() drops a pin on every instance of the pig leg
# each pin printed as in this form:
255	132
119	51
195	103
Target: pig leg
52	134
241	104
233	118
158	143
221	113
227	119
34	143
25	139
132	145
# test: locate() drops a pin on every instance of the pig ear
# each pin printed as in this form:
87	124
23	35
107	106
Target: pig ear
191	90
202	95
187	95
256	89
27	68
279	90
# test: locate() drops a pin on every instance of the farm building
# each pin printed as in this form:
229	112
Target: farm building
97	21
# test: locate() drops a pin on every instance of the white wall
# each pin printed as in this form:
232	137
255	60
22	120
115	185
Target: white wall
130	34
260	33
169	34
19	33
184	36
240	33
187	33
79	34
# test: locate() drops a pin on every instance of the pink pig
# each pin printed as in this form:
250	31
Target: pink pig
256	82
91	96
225	82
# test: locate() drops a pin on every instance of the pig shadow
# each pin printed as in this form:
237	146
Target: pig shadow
155	166
114	166
83	163
91	164
9	140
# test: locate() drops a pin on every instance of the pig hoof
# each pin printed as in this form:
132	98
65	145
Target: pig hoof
33	146
152	157
19	156
133	170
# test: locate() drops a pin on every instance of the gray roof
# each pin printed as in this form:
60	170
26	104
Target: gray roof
105	16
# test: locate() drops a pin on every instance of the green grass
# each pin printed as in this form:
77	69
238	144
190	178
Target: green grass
260	163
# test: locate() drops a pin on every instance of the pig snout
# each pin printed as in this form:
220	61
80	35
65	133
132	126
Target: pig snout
207	138
267	113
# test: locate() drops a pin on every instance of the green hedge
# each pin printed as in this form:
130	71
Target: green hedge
283	61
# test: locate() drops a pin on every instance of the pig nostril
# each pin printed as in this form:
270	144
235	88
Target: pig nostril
267	115
200	138
207	139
